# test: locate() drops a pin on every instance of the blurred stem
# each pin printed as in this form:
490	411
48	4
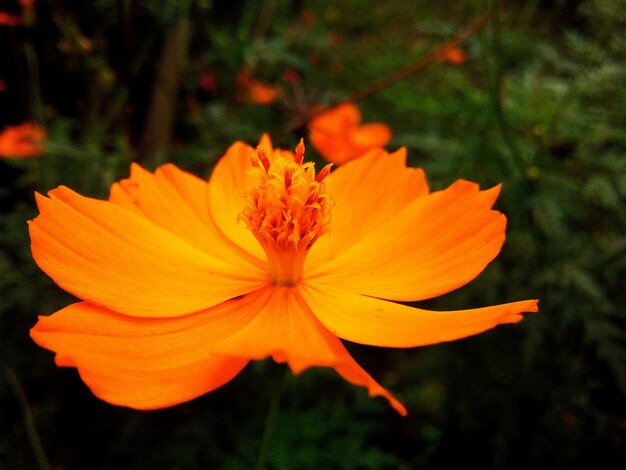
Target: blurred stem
158	131
119	99
124	12
528	14
35	174
425	61
264	19
272	418
29	420
33	81
512	158
248	15
32	65
431	57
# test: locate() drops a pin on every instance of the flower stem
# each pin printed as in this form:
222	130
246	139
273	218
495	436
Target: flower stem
272	418
512	158
29	420
34	81
157	134
425	61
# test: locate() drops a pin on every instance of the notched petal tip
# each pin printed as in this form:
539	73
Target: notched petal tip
136	169
532	306
489	196
400	154
514	311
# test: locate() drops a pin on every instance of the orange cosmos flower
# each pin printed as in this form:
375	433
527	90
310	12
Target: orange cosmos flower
257	91
454	55
183	281
7	19
207	81
338	136
22	141
27	4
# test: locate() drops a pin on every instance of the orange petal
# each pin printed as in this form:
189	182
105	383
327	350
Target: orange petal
355	374
434	245
378	322
346	114
368	136
338	137
114	257
179	202
150	390
329	132
7	19
22	141
287	330
366	193
228	186
144	362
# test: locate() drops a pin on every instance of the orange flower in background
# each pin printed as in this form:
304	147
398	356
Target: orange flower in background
22	141
183	281
27	4
339	137
291	76
207	81
454	55
257	91
7	19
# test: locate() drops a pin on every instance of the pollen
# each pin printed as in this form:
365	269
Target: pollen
288	210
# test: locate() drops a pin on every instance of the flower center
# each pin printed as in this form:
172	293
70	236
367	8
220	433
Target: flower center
287	211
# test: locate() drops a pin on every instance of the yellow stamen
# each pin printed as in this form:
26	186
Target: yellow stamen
287	211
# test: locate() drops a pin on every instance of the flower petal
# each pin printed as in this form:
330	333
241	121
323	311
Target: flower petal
114	257
328	132
179	202
150	390
145	362
366	192
338	137
370	136
228	185
378	322
434	245
287	330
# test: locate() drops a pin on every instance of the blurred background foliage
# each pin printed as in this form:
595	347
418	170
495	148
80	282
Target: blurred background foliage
537	103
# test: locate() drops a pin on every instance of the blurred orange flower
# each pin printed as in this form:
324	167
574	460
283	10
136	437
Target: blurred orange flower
339	137
207	81
291	75
454	55
257	91
22	141
27	4
183	281
7	19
